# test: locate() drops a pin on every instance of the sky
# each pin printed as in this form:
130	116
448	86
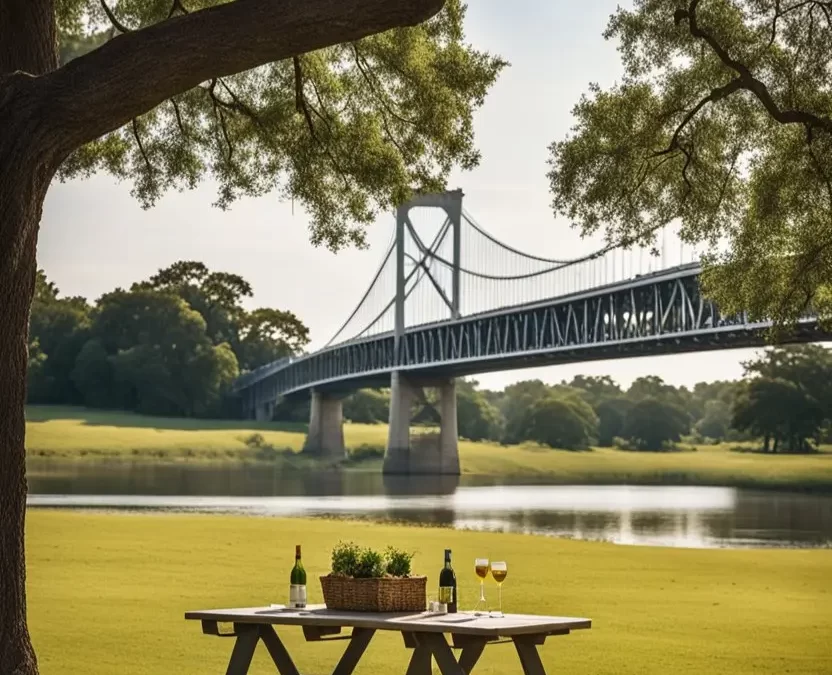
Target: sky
95	236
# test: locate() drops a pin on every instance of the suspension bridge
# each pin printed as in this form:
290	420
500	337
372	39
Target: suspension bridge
464	303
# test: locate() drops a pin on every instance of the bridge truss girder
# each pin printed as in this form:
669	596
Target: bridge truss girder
648	316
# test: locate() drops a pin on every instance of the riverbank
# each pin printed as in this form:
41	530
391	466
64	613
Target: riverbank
107	594
86	435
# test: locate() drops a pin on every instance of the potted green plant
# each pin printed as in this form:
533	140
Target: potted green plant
364	580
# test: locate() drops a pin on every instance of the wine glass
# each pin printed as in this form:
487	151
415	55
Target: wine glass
499	570
481	568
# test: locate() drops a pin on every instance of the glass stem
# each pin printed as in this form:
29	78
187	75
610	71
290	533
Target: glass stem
482	592
500	591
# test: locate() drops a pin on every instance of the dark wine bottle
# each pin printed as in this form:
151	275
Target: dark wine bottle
447	584
297	583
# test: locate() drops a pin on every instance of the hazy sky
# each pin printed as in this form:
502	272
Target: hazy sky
95	236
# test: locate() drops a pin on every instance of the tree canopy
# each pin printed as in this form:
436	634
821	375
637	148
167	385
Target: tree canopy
722	122
171	345
563	421
346	130
652	423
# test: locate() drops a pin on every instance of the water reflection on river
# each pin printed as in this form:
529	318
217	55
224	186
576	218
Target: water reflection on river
664	516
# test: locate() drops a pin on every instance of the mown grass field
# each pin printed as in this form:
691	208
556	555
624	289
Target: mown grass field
76	433
107	595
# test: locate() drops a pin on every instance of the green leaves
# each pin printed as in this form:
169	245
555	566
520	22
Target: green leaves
398	562
346	131
653	424
563	420
350	560
345	559
723	123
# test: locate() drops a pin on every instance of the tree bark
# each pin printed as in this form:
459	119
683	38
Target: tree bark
27	164
27	36
24	179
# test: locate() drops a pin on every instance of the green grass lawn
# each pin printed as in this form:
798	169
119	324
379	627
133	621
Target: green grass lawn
85	434
107	595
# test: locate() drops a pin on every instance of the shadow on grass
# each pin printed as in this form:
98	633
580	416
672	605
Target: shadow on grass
759	450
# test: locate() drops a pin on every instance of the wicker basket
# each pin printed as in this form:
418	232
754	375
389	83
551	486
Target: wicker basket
388	594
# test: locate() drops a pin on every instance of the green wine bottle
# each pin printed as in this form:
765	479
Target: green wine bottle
297	583
447	584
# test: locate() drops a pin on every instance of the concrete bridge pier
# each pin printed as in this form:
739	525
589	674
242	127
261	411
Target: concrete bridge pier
429	453
263	411
325	437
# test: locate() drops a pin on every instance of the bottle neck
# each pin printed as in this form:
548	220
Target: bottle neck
297	554
447	559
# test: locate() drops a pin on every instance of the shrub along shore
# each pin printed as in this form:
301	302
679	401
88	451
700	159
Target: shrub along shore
78	434
107	594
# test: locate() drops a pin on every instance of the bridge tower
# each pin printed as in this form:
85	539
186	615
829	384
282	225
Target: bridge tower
423	453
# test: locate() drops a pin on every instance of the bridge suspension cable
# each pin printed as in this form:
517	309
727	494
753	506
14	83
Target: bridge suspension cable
490	273
420	269
361	302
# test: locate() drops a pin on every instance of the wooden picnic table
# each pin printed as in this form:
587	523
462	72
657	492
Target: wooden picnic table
424	633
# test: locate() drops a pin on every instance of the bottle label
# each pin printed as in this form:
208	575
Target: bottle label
297	596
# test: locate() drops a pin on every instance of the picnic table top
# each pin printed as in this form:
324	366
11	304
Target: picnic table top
461	622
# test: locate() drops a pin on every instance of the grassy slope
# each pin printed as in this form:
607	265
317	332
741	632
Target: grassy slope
75	433
107	594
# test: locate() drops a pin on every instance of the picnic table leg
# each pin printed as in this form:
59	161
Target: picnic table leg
281	658
355	650
420	663
470	655
247	637
441	650
529	656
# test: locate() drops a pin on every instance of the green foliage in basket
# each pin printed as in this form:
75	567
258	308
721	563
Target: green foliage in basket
370	565
351	560
345	559
398	562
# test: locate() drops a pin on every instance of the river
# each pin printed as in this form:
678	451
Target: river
698	517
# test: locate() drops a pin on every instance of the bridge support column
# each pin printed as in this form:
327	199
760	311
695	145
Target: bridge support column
263	411
448	430
423	453
402	397
325	437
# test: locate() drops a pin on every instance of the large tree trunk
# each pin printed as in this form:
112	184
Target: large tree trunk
22	190
25	173
27	163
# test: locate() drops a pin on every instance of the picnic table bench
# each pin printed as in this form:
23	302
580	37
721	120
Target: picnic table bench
424	633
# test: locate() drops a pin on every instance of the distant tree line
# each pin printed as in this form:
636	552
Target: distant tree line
784	401
170	345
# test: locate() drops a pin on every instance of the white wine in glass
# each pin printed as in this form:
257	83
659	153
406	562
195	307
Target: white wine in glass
481	568
499	570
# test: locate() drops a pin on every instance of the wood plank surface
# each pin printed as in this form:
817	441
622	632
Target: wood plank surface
462	623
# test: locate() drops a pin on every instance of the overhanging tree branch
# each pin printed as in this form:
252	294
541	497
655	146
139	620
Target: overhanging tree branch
177	6
113	18
715	95
747	79
218	115
379	96
300	100
136	71
178	115
303	106
138	138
